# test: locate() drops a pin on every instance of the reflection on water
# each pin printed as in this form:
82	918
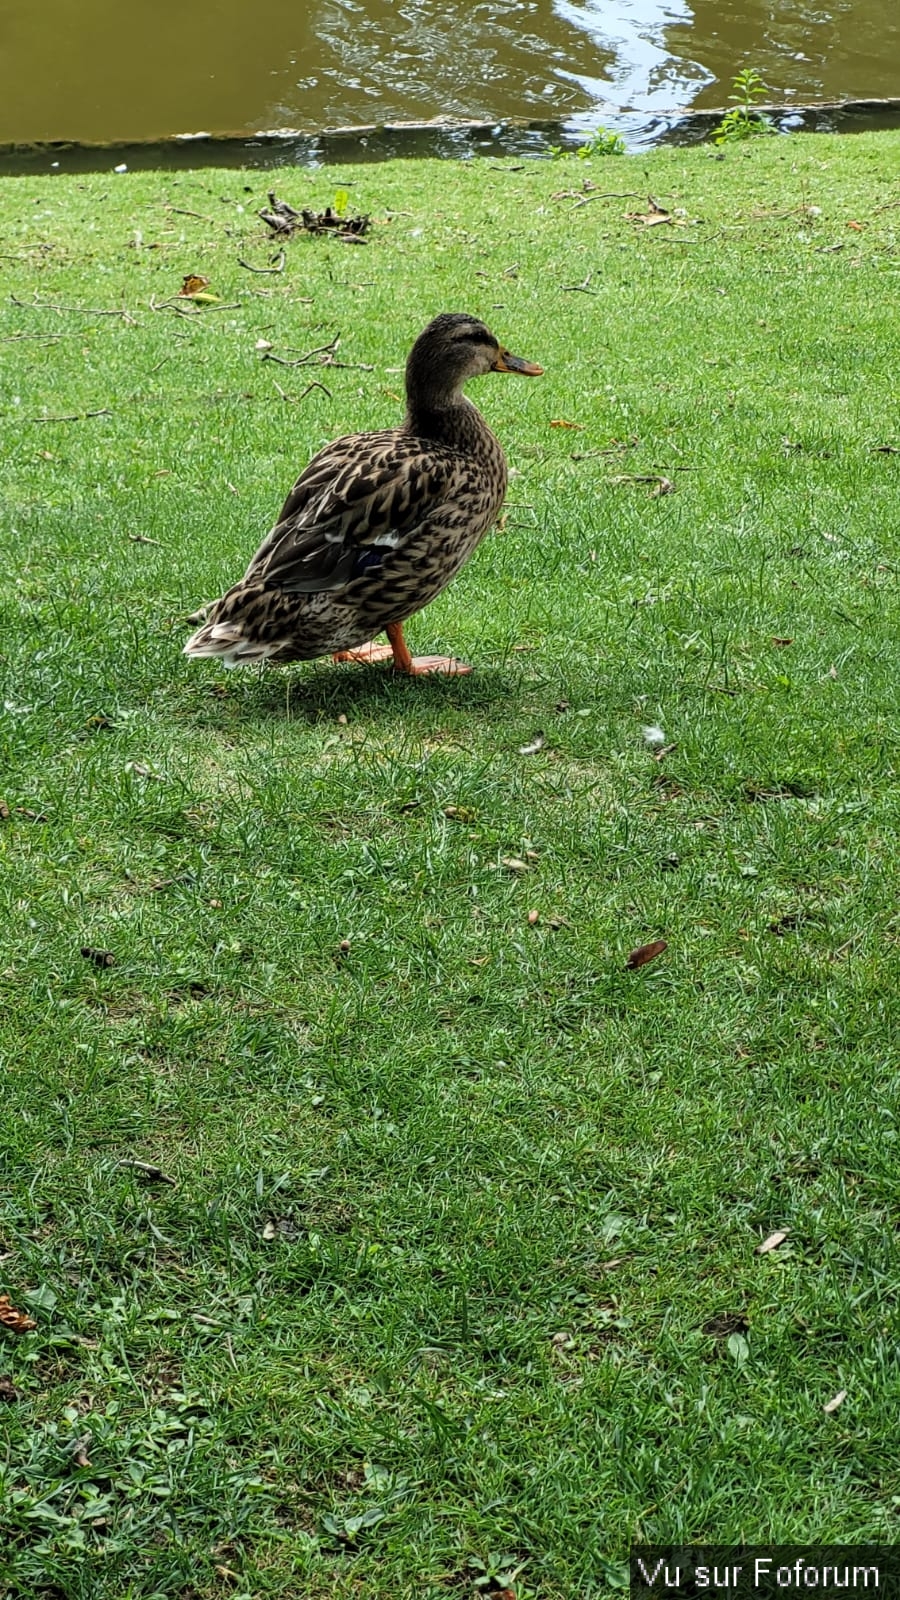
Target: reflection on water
644	75
98	71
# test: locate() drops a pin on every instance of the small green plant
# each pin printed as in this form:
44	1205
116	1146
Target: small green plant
601	143
744	120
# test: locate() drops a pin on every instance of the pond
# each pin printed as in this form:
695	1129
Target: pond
101	72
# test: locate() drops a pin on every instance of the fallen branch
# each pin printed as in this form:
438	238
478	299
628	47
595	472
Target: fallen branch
294	399
323	355
73	416
613	194
148	1170
579	288
264	270
182	307
84	311
179	211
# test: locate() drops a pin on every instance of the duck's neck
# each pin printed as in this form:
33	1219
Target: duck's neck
444	415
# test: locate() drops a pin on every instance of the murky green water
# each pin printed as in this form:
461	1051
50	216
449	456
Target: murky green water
104	71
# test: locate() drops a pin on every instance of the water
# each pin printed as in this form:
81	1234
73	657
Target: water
103	72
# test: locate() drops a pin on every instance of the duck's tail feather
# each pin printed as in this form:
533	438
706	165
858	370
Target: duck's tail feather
227	643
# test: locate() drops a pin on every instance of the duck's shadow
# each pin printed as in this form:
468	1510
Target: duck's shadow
323	693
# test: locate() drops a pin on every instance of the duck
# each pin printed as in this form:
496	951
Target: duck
377	524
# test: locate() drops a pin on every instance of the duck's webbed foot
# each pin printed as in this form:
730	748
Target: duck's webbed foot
365	653
413	666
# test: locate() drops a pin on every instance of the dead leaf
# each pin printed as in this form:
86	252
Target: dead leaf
832	1405
725	1324
782	644
856	226
100	958
665	486
536	744
655	215
194	287
269	1230
645	953
560	422
886	449
459	813
4	811
773	1241
16	1321
533	917
514	864
8	1391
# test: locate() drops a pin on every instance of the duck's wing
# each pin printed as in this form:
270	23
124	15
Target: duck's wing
357	500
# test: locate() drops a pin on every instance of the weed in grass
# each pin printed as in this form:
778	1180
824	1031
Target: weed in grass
601	143
744	120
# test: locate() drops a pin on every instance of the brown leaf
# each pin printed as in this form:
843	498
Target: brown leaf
16	1321
514	864
4	811
856	226
100	958
459	813
8	1391
193	284
645	953
725	1324
665	486
773	1241
782	644
832	1405
560	422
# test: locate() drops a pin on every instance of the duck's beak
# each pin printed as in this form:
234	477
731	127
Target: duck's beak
509	363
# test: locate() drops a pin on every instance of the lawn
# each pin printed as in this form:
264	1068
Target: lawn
385	1235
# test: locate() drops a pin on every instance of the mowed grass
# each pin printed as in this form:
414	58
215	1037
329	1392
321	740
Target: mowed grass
455	1286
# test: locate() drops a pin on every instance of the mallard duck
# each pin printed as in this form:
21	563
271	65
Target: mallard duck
378	523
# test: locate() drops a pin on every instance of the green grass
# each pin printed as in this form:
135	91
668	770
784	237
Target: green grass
457	1276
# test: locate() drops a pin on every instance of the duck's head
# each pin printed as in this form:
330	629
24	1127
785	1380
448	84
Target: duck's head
453	349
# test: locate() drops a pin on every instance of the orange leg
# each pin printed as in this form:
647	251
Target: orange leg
414	666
